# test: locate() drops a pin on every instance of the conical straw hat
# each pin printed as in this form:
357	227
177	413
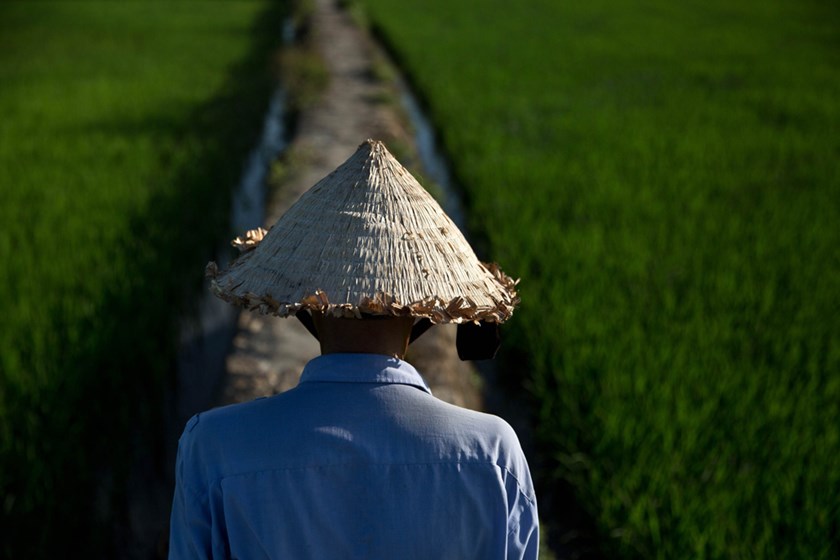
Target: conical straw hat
366	239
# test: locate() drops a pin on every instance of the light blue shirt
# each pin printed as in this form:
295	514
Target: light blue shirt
358	461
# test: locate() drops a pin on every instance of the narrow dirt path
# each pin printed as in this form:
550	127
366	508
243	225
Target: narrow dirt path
268	353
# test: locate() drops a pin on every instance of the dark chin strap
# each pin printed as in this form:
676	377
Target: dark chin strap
474	341
419	328
306	320
478	341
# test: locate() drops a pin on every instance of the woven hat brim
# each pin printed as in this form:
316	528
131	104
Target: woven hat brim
438	310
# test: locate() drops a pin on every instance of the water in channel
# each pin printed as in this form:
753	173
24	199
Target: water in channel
431	158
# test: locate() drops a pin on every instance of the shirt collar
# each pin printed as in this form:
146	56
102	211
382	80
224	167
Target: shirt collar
362	368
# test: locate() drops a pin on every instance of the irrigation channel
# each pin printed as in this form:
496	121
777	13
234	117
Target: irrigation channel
431	158
205	337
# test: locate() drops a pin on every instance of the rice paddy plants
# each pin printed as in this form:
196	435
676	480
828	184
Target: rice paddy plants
125	126
665	179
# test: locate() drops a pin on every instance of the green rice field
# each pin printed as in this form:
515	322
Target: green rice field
664	177
125	126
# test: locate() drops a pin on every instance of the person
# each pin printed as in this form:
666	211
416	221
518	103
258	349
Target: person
359	460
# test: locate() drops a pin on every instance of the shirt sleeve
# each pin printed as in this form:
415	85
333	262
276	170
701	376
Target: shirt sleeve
190	527
523	536
523	525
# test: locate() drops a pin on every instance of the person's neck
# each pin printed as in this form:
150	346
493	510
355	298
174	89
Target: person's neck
349	344
356	350
388	337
